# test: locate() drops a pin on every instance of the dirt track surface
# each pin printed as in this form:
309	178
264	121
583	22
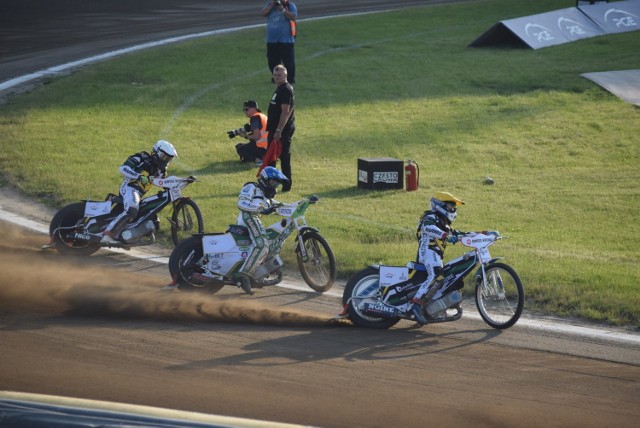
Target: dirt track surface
99	327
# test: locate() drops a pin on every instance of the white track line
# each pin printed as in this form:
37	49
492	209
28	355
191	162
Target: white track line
557	327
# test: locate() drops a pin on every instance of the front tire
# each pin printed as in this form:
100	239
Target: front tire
186	221
69	217
185	267
363	288
500	300
318	268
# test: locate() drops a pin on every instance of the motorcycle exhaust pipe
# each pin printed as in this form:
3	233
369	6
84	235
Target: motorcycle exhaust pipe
442	304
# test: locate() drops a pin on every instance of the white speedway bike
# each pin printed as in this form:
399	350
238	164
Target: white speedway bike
77	228
208	261
379	296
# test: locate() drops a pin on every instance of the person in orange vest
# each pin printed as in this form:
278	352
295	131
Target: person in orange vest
281	35
255	131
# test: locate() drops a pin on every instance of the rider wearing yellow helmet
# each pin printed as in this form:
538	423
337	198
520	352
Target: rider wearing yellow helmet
434	231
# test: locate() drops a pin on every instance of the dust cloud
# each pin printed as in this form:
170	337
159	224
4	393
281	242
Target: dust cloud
32	280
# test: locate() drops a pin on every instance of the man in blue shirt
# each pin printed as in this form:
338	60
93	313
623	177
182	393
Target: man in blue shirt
281	35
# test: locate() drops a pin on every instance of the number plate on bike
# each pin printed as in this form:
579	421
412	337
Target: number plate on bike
175	193
390	275
94	209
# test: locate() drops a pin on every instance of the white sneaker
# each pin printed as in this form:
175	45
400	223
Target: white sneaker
108	239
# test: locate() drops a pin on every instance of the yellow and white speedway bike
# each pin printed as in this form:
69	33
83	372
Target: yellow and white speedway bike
380	296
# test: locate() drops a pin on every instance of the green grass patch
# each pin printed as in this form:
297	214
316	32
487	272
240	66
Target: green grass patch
564	153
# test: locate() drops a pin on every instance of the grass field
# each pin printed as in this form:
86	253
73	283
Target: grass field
563	152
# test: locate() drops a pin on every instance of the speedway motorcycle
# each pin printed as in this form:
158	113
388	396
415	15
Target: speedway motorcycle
208	261
380	296
77	228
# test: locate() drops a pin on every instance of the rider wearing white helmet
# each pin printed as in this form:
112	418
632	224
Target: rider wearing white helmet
434	231
138	170
255	199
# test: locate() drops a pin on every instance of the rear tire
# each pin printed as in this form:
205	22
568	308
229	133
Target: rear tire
501	301
185	267
362	284
68	217
319	267
186	221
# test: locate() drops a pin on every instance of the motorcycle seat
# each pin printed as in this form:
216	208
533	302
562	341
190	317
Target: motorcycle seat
114	199
416	266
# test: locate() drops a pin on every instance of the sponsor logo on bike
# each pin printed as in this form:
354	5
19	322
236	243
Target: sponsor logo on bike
468	241
285	211
380	310
167	182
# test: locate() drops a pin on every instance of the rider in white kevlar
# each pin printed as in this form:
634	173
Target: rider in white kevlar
434	231
139	171
255	199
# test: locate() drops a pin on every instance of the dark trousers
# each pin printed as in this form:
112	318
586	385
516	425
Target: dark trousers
282	53
285	157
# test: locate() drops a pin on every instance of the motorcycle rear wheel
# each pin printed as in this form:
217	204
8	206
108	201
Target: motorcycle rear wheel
186	220
500	300
318	268
361	285
68	217
185	269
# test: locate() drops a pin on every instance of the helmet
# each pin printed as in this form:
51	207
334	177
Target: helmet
269	180
163	153
444	205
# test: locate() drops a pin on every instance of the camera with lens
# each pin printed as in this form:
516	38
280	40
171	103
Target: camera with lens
277	3
240	131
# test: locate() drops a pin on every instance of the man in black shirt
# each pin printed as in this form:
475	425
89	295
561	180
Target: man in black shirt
281	121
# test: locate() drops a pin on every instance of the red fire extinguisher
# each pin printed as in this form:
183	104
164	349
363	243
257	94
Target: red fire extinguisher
412	175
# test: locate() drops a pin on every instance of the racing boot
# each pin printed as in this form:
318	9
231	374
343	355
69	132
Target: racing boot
110	237
107	238
417	310
244	281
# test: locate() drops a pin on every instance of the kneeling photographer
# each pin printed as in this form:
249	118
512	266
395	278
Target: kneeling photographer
255	131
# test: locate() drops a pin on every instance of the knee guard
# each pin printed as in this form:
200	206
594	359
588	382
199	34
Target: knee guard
132	213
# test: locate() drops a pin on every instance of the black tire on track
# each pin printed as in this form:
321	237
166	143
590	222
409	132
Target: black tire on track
501	303
183	264
319	269
364	282
70	216
182	220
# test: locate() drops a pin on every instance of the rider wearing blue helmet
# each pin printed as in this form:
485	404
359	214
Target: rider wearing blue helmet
255	199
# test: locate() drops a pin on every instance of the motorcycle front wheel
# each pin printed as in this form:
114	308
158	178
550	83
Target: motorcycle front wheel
69	219
185	267
186	221
500	299
360	289
318	267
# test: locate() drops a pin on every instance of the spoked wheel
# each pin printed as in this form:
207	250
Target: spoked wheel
501	299
362	289
64	223
318	267
186	221
185	267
